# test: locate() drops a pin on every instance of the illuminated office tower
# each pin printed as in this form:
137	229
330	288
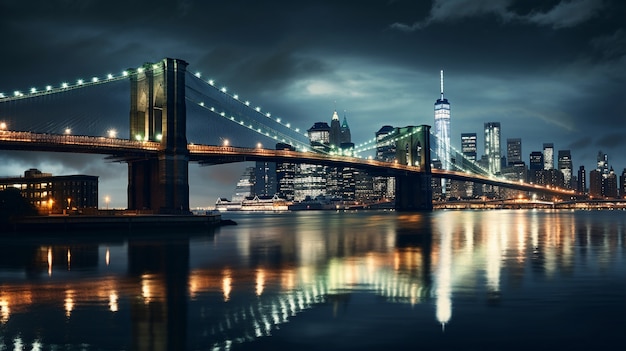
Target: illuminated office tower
285	175
492	146
564	163
513	151
442	131
548	156
468	149
468	146
442	128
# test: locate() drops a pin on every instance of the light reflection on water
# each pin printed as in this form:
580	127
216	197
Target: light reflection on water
311	280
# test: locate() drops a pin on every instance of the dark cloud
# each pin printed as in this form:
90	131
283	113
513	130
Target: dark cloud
564	14
612	140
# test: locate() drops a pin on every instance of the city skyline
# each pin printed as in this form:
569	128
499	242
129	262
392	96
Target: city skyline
549	73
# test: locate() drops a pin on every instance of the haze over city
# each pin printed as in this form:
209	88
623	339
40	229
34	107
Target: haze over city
549	72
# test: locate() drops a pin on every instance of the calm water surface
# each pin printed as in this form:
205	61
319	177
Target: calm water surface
447	280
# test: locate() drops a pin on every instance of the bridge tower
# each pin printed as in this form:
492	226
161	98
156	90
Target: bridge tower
158	113
414	192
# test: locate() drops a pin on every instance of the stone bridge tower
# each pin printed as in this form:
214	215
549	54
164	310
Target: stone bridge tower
414	192
158	113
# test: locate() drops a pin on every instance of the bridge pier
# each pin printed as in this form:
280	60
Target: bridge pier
158	113
414	192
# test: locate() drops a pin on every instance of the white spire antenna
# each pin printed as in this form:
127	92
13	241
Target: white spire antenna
441	84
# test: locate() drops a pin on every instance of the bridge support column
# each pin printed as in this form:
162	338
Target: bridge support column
414	192
158	113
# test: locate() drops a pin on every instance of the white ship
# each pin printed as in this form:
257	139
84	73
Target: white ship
255	203
264	203
223	204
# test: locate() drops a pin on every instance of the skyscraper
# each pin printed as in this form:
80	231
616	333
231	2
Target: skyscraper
335	131
285	175
346	137
265	178
442	132
468	146
564	163
513	150
319	136
536	167
492	146
442	128
603	164
548	156
582	180
622	184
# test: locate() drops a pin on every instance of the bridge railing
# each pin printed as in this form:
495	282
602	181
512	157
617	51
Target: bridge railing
81	140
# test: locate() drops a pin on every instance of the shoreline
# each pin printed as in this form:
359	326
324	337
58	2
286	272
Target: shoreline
122	223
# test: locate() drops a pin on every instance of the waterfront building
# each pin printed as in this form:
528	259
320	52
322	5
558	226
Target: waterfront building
55	194
582	180
513	150
492	146
548	156
442	132
564	163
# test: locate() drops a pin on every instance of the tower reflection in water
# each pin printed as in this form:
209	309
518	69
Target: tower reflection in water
244	282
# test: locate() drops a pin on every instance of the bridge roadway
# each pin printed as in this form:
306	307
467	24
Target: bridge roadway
125	150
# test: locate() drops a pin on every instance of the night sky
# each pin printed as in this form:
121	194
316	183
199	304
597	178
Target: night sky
548	71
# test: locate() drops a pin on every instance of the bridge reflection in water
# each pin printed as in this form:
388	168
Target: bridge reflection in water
244	282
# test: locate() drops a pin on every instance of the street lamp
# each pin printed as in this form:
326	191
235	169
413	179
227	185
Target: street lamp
106	200
3	126
112	133
69	203
225	142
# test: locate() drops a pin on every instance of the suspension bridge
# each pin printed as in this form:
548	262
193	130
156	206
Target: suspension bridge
157	148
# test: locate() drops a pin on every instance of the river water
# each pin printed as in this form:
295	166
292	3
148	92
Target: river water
446	280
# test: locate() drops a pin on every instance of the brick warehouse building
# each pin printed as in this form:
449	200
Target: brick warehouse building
55	194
